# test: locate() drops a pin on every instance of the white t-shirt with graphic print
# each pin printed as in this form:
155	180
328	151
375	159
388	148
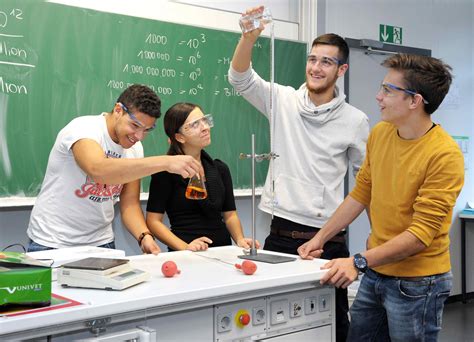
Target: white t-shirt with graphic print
72	210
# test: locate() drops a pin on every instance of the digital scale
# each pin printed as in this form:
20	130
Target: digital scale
100	273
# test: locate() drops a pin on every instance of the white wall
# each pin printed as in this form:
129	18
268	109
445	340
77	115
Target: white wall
189	14
280	9
446	28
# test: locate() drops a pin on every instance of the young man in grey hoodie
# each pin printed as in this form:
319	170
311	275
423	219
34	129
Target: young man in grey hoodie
316	135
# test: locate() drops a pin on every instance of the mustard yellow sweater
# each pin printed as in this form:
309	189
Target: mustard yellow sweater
411	185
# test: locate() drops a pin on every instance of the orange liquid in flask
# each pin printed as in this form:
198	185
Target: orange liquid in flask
195	193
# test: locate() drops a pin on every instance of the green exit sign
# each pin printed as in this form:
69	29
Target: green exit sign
390	34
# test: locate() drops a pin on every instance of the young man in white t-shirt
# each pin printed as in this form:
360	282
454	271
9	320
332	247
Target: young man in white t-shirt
95	161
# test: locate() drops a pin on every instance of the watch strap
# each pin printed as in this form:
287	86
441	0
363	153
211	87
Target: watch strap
358	257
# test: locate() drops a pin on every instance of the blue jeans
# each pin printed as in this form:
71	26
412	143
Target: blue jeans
392	309
36	247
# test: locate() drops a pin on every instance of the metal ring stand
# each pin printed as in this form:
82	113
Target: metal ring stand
253	255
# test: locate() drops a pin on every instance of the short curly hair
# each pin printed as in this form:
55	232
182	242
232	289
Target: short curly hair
141	98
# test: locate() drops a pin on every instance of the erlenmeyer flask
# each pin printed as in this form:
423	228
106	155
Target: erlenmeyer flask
196	189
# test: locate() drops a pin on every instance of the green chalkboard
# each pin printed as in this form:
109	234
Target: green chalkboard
58	62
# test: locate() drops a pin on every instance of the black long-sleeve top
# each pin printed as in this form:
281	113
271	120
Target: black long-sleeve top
190	219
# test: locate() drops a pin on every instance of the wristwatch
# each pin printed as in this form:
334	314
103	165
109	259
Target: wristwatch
360	262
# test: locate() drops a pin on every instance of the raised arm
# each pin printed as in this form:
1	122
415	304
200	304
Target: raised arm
243	51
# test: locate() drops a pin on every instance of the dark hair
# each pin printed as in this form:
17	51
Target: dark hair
175	117
430	77
334	40
140	98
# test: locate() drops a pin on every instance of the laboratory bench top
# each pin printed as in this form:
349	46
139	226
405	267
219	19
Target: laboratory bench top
203	280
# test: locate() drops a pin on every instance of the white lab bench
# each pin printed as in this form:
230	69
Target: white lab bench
284	301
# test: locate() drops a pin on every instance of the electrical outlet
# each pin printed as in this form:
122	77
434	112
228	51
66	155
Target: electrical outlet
258	315
224	322
324	302
310	305
279	311
296	308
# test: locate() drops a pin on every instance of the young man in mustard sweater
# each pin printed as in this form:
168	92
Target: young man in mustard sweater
409	182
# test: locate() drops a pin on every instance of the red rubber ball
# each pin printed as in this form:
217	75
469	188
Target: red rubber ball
249	267
169	269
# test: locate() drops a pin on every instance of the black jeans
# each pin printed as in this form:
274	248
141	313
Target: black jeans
332	250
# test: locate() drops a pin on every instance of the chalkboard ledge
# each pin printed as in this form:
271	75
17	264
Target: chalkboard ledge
247	192
19	202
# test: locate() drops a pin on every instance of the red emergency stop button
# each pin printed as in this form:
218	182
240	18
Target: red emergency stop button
244	319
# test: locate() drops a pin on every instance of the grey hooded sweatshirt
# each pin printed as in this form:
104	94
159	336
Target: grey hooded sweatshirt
315	145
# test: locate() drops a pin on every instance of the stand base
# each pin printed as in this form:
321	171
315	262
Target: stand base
268	258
